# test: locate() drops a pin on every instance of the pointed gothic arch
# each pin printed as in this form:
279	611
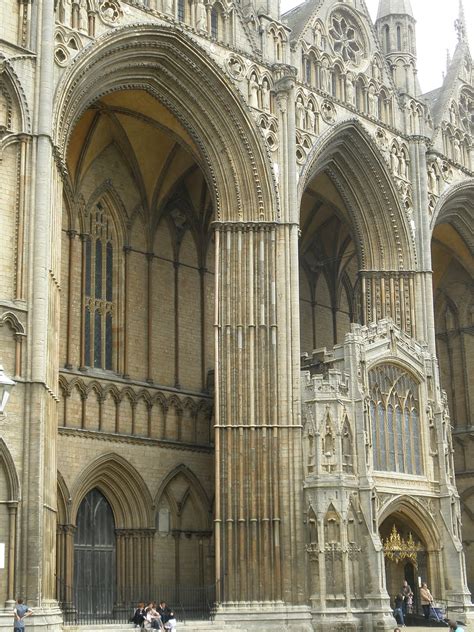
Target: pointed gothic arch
11	474
231	150
416	514
122	486
349	156
193	481
456	207
63	501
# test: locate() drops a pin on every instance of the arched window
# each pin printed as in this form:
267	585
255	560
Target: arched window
387	38
98	290
215	22
181	10
394	410
399	38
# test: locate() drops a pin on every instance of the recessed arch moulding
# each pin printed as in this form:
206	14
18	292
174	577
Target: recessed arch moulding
162	62
384	240
252	341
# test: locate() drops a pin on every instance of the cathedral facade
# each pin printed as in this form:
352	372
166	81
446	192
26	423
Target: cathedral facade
236	301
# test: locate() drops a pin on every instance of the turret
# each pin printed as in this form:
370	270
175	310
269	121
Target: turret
395	27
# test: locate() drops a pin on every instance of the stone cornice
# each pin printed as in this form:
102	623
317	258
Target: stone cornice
127	439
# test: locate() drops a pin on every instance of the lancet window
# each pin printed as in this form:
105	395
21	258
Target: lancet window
99	290
395	417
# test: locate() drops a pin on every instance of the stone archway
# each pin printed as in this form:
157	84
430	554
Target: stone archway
165	63
405	555
123	538
410	541
250	250
357	263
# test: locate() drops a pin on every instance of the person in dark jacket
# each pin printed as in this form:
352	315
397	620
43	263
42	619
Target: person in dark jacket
398	610
139	615
165	612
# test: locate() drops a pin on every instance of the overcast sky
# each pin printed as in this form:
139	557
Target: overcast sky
435	34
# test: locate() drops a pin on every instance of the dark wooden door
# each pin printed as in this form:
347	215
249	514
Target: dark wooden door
94	557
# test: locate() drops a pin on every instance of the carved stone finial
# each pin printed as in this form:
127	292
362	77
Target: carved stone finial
460	23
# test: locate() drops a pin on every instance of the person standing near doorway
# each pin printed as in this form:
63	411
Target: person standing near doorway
407	593
426	599
20	613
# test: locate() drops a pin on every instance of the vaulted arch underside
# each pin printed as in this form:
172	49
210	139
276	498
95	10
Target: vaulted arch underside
452	249
165	64
357	257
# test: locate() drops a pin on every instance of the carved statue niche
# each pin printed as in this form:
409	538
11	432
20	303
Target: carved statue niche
83	17
372	101
324	75
457	151
332	526
350	90
201	17
433	178
312	528
334	566
328	445
403	164
347	448
318	36
394	162
300	113
64	12
311	118
253	91
266	103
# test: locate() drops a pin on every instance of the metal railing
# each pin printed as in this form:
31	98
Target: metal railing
93	604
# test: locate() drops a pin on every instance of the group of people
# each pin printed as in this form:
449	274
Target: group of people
404	606
154	617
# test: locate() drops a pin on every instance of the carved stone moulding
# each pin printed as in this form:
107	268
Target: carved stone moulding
110	11
236	67
328	112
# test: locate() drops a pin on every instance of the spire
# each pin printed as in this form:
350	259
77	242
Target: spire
460	23
394	7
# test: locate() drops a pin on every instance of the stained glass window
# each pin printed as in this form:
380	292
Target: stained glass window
215	22
98	288
394	409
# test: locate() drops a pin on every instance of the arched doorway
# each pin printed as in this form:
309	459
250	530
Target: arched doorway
405	555
94	557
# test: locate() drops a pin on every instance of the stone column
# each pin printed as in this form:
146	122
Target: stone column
259	544
12	515
424	326
37	517
22	196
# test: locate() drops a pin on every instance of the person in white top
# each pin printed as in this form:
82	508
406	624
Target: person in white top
171	623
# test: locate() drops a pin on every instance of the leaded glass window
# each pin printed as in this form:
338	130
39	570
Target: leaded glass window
394	411
98	289
181	10
215	22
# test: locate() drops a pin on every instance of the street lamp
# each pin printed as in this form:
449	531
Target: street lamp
6	385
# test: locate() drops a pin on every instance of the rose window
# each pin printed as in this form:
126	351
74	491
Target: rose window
346	39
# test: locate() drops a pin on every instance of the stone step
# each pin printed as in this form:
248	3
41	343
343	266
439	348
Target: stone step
201	626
